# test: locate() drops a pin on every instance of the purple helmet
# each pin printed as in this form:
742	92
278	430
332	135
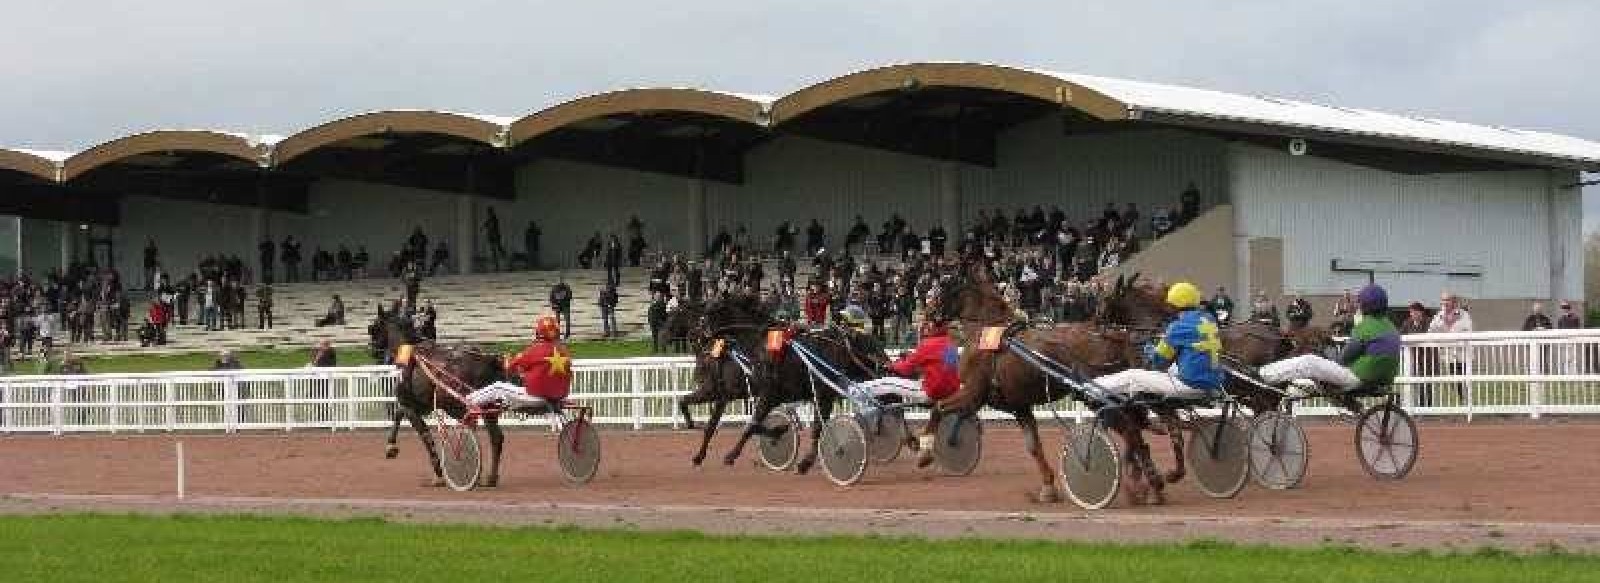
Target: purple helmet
1373	300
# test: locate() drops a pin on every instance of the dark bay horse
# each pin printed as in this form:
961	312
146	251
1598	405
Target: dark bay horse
464	368
745	368
1005	381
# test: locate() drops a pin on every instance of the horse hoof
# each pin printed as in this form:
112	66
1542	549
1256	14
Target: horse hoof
804	466
391	452
924	459
1047	495
436	483
489	482
728	461
1173	477
697	460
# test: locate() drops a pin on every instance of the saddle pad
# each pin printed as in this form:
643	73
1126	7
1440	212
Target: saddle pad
989	339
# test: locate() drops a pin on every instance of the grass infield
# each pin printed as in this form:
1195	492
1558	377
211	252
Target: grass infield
99	548
349	356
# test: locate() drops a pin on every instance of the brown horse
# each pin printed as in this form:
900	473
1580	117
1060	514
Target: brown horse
465	368
1002	379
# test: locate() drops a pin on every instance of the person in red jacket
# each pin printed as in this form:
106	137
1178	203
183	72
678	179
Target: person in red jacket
545	367
158	318
935	359
817	305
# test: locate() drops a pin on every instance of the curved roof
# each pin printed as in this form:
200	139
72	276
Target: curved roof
738	107
39	163
1024	82
234	145
486	129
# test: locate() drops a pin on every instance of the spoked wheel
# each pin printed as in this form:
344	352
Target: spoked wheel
780	453
578	450
460	459
886	433
1278	451
959	444
1386	441
1221	466
1090	467
843	449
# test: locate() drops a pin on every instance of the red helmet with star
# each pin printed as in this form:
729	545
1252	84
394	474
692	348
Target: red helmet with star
547	327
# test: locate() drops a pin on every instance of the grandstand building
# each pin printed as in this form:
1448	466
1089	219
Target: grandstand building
1299	198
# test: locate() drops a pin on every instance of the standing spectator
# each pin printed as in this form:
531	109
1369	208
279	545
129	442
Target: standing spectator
151	261
530	244
1221	305
441	259
226	360
346	263
290	254
814	237
1188	205
608	311
1537	320
412	278
657	318
1263	311
417	244
1161	222
426	321
905	306
491	231
1569	319
187	288
1299	313
324	355
268	252
46	324
1416	321
264	306
817	301
784	242
636	247
1344	313
1451	318
613	261
879	306
363	259
561	302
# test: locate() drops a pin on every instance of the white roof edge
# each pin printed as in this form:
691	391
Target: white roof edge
55	156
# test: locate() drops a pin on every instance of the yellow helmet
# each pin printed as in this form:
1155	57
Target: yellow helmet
1183	295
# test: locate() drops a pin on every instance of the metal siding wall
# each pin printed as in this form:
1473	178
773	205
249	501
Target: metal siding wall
1324	209
1569	227
184	232
572	200
1038	165
379	216
795	178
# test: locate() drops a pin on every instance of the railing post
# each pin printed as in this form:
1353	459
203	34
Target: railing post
350	403
1536	355
636	380
1467	372
114	417
172	410
56	418
230	404
1408	368
5	408
288	406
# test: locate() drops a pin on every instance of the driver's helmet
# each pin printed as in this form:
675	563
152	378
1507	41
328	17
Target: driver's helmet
1183	295
547	327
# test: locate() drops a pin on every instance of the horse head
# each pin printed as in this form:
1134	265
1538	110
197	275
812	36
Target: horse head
1132	304
387	332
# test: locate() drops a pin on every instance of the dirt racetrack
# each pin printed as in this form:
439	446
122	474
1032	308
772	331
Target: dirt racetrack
1491	481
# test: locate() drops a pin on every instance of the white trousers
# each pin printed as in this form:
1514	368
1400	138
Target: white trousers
1309	366
909	390
507	396
1138	380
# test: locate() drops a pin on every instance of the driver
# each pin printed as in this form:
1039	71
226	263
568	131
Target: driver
1190	345
1372	354
546	369
935	359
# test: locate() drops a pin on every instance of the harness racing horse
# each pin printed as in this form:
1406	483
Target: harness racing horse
747	367
1006	381
419	390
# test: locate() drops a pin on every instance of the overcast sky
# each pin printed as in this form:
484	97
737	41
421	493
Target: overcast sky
79	72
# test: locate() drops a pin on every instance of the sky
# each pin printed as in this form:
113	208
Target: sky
81	72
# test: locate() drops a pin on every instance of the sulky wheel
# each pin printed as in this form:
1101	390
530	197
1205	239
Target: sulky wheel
959	444
1221	466
886	433
1091	468
460	460
843	449
1386	442
780	453
1278	451
578	450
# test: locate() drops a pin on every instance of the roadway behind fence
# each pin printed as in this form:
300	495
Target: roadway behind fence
1494	373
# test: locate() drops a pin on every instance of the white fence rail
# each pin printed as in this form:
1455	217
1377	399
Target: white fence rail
1494	373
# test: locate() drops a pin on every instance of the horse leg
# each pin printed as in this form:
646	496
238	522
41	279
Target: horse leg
683	408
754	427
391	450
1133	477
497	438
1030	441
1175	434
717	407
922	443
819	418
421	426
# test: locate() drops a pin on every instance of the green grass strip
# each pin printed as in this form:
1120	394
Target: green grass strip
100	548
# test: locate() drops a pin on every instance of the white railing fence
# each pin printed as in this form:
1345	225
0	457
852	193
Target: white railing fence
1492	373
